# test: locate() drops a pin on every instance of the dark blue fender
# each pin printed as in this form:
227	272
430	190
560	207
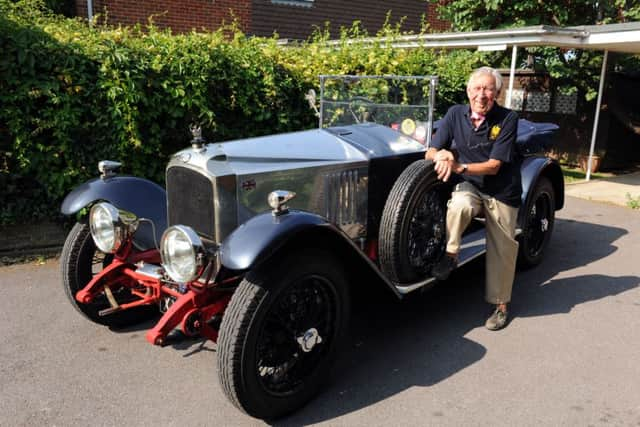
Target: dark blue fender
531	170
139	196
262	236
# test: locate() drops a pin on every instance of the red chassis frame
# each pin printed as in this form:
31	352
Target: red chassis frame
190	310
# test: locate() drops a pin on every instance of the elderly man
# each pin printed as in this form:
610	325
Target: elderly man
475	144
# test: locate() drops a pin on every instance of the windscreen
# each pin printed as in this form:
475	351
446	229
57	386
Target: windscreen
404	103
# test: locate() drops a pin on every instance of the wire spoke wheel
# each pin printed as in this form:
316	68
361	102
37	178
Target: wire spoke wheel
413	226
538	224
296	335
427	231
281	332
539	217
79	262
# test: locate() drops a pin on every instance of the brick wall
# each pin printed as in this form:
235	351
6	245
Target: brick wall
298	21
30	239
179	15
435	24
293	19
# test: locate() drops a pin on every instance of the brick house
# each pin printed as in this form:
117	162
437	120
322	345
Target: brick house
291	19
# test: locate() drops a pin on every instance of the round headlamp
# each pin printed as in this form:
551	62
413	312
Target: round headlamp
107	229
181	250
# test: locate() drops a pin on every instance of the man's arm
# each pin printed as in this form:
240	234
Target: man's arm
490	167
439	152
443	160
436	155
431	154
447	164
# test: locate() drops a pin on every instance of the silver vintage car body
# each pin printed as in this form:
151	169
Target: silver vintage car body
328	169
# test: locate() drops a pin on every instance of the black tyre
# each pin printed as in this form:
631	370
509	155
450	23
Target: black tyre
79	262
537	225
413	227
280	334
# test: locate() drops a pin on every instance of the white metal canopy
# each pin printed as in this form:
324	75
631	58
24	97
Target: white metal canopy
612	37
624	38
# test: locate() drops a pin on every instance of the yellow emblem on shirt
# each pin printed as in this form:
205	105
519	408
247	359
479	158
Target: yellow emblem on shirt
495	131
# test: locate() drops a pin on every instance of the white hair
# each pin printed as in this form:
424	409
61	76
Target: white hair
497	77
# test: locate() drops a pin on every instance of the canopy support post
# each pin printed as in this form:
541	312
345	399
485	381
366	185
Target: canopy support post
512	73
597	117
89	11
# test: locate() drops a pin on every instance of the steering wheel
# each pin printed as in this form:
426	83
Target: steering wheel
362	115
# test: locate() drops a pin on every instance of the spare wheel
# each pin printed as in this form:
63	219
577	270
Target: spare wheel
413	227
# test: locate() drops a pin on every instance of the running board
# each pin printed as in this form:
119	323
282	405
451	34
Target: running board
473	246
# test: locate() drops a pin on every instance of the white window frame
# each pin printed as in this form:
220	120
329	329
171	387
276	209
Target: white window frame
297	3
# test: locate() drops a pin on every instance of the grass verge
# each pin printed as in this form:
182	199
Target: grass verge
572	175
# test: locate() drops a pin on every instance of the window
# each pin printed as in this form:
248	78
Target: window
301	3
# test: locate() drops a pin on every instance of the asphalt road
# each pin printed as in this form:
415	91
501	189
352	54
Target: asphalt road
570	356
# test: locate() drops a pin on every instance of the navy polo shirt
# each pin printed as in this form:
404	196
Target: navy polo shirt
495	138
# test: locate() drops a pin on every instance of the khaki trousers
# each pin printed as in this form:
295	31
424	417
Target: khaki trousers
468	202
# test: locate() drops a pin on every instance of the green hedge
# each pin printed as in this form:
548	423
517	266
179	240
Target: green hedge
71	95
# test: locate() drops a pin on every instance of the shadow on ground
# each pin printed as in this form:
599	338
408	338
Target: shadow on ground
420	341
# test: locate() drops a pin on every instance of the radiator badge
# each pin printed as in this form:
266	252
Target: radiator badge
249	185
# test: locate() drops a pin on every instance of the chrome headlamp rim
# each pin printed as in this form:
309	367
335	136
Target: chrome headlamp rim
196	252
108	241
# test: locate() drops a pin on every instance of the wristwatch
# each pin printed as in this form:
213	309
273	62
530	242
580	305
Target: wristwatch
464	168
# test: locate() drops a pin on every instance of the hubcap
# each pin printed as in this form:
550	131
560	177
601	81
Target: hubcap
538	224
544	225
309	340
298	331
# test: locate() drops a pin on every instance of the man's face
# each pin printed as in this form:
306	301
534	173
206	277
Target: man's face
482	93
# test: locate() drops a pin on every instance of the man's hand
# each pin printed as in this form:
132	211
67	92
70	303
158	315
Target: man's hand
445	162
443	155
444	169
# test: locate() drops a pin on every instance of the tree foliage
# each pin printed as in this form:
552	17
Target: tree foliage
573	70
471	15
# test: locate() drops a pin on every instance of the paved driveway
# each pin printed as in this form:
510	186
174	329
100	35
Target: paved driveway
571	355
620	190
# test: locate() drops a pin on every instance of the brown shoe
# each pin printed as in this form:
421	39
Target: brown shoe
444	267
498	320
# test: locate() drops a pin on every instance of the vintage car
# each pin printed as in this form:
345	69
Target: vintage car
255	244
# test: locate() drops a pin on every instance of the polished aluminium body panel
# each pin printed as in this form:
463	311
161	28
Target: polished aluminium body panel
319	190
